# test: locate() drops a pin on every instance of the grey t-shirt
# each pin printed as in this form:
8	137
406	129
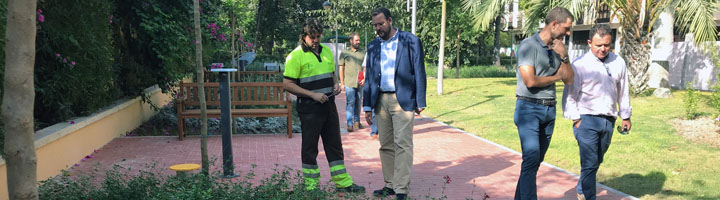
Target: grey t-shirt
533	52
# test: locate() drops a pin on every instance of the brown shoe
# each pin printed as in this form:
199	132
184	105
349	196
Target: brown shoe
356	125
350	129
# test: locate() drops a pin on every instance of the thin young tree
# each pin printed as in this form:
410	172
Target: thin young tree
201	89
19	99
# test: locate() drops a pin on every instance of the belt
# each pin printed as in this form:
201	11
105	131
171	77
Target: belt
611	118
544	102
306	100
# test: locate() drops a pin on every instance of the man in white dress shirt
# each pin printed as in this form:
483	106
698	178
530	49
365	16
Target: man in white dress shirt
599	94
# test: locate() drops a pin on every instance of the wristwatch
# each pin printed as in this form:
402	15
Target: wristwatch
565	59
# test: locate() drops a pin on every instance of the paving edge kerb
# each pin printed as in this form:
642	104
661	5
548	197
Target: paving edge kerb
516	152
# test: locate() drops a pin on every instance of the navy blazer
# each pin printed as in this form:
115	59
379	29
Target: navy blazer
410	81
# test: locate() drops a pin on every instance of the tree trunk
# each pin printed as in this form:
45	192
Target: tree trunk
636	52
258	17
441	55
19	100
232	39
496	45
201	90
457	56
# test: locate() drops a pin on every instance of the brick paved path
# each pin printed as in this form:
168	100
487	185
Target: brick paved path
474	165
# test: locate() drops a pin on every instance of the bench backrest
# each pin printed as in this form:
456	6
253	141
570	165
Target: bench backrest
258	76
248	93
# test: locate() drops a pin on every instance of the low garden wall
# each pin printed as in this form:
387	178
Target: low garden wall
62	145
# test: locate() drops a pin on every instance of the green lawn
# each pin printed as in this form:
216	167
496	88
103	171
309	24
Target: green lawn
649	163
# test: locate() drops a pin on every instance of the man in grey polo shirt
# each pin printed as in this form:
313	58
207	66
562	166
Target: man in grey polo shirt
542	61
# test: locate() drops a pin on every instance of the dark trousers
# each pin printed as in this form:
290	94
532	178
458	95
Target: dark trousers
593	136
535	125
325	125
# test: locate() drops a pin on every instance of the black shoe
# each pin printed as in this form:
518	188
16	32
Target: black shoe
352	188
384	192
401	196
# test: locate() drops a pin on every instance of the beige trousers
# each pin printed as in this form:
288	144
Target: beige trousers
395	127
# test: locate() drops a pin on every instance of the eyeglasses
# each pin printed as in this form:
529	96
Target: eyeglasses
550	57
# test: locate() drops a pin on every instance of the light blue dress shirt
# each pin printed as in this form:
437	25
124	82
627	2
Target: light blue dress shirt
388	57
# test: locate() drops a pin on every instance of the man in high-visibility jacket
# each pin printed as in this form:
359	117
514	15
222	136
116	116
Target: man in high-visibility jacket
310	75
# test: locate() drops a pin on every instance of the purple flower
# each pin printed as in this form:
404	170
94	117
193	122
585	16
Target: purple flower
39	11
73	63
76	165
95	151
83	159
41	18
72	122
111	17
717	119
57	54
64	60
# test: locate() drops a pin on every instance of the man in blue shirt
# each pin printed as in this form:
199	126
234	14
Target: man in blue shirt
394	88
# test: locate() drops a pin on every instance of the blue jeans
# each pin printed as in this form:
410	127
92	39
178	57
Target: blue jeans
593	137
535	125
353	105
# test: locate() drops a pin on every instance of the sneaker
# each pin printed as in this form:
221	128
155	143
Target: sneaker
352	188
356	125
384	192
350	128
374	136
401	196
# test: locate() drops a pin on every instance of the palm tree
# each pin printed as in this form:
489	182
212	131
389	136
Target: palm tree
485	13
18	101
637	18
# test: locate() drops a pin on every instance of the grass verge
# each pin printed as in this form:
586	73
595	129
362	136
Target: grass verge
652	162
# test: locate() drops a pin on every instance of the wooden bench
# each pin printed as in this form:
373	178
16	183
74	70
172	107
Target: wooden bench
258	76
247	99
247	76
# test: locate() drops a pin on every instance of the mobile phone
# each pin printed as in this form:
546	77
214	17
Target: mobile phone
622	130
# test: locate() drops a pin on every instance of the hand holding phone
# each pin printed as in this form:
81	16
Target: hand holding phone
622	130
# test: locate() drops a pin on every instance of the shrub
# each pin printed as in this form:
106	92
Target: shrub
150	183
472	71
691	102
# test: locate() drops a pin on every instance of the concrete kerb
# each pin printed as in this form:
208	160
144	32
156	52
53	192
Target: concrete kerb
518	153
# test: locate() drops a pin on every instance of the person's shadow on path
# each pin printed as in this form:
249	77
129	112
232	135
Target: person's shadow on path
638	185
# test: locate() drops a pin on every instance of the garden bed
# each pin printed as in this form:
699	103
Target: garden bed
165	124
703	130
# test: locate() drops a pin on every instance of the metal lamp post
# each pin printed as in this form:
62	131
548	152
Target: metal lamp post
225	129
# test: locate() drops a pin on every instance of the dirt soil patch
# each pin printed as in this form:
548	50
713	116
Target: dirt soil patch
703	130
